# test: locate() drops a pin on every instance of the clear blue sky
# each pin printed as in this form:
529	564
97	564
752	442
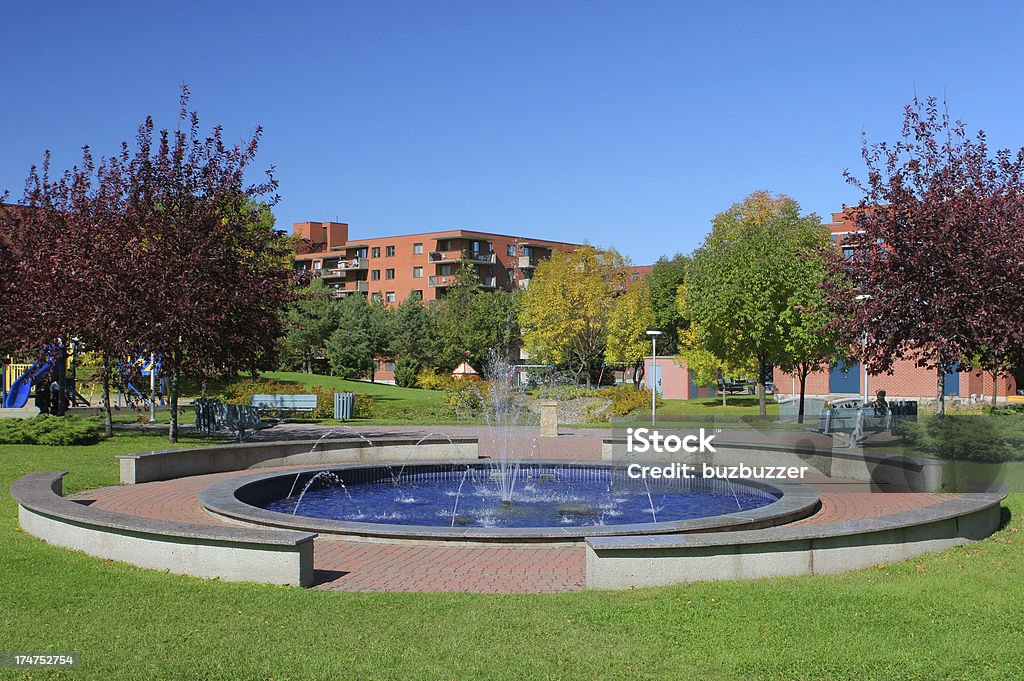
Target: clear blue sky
625	124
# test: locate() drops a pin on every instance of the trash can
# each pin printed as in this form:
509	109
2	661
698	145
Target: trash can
344	405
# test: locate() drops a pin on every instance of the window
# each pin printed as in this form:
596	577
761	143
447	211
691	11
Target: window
387	366
389	274
376	252
510	274
444	245
375	297
389	251
445	270
416	294
389	297
417	272
848	252
375	275
511	250
318	264
417	249
361	253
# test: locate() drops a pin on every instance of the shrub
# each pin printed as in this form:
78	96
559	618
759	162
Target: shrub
626	399
428	379
466	396
406	369
366	407
52	431
992	438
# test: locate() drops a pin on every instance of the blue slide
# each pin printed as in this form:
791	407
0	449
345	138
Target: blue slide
18	395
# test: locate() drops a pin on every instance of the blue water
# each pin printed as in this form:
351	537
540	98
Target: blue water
549	497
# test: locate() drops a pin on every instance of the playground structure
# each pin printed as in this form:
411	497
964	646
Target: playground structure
145	366
55	365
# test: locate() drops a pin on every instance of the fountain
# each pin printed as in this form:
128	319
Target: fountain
506	492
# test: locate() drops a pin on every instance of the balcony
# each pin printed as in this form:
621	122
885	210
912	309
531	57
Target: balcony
342	290
528	262
451	256
488	282
441	281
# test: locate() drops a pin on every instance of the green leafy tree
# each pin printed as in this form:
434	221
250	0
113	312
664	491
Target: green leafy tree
310	321
627	328
349	346
743	281
378	332
565	309
413	331
665	278
812	338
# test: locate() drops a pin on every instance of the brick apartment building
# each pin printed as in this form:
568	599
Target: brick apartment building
392	268
906	379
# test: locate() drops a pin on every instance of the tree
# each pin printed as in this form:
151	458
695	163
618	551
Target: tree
628	322
812	338
349	346
378	333
413	331
665	278
705	367
744	279
565	309
936	267
310	320
215	271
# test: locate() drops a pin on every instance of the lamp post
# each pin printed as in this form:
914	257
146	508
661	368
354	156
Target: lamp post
654	333
864	349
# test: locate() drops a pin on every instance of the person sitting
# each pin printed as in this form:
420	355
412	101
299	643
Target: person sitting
880	405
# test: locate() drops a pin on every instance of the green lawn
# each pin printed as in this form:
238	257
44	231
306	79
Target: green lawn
952	615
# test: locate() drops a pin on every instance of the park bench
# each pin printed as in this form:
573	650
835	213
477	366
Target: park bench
279	404
213	416
732	387
850	417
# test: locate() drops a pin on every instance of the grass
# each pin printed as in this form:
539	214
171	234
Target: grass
950	615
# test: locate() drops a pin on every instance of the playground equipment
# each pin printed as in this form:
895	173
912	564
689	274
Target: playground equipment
16	391
144	366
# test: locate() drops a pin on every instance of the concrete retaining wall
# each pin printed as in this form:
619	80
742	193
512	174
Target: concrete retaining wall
229	554
626	562
180	463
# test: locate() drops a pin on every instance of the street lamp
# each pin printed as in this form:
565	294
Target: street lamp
654	333
864	351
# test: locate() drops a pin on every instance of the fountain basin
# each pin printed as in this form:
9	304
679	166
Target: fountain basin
571	517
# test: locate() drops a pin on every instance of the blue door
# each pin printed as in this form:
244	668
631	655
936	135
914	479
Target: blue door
953	380
655	376
848	381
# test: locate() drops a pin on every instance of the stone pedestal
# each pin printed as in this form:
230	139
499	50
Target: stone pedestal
549	419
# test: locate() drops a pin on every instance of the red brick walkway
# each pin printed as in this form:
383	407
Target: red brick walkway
345	565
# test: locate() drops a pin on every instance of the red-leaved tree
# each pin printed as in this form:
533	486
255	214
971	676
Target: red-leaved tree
937	263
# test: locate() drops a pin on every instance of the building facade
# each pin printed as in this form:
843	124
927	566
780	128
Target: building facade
392	268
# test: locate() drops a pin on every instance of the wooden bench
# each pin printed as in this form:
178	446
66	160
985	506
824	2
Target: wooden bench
285	403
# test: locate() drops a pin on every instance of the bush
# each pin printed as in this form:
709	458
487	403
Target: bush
428	379
466	396
52	431
625	399
406	369
991	438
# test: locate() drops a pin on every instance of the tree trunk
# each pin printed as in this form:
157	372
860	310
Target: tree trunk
172	430
108	418
940	387
762	404
61	373
803	371
589	380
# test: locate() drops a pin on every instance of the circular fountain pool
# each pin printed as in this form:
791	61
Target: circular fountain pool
545	501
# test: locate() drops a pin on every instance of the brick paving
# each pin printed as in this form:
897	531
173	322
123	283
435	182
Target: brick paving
347	565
